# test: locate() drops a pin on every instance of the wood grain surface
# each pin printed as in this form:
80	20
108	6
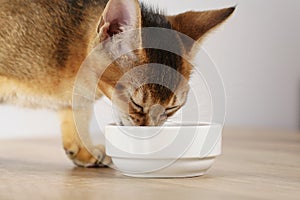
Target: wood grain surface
254	165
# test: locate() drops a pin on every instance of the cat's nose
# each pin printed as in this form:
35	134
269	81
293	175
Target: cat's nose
156	113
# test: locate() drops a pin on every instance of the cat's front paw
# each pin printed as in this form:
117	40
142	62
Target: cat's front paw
87	157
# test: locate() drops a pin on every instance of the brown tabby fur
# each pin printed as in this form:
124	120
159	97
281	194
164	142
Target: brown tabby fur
43	44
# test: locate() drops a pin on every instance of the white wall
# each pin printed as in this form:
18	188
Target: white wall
257	55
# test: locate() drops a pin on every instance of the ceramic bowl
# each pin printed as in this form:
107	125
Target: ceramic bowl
163	152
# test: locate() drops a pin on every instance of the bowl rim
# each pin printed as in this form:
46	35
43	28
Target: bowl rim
174	125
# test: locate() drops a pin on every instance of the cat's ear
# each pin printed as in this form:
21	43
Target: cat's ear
197	24
119	16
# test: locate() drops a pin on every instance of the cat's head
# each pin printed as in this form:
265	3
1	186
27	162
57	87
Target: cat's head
148	85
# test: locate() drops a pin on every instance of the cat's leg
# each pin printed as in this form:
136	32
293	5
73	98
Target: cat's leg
77	142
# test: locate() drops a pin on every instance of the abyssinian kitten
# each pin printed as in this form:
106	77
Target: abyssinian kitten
43	44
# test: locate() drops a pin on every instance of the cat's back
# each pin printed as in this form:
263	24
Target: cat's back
40	36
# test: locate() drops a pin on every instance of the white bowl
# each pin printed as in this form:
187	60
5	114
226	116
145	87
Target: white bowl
160	152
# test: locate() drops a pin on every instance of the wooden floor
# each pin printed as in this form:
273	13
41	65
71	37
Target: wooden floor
255	165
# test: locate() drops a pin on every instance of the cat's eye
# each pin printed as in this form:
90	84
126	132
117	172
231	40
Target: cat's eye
170	111
172	108
137	105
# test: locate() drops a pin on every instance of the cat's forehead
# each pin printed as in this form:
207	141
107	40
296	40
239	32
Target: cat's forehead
153	93
167	47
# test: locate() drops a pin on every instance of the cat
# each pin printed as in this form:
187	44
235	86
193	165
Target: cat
43	44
